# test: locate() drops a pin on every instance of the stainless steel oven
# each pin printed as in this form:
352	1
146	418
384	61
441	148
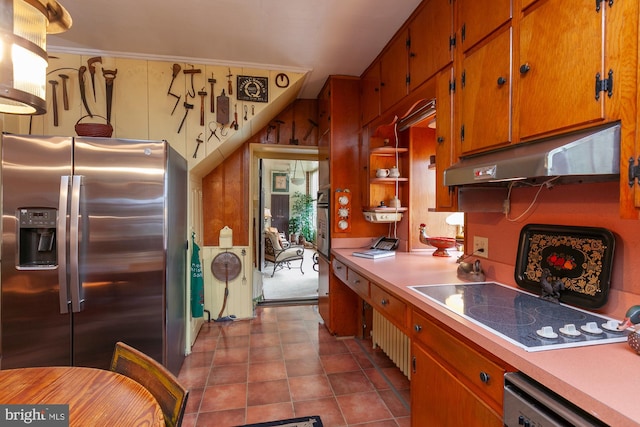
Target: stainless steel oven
323	242
528	403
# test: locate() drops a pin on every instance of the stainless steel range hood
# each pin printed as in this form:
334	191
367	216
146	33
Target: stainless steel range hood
588	155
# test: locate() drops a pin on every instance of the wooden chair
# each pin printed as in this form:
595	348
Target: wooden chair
162	384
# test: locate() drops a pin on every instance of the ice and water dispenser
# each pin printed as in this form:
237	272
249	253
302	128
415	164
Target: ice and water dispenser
37	238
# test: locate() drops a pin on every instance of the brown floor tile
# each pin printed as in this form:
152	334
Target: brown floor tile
332	347
289	337
300	367
224	396
339	363
268	392
363	407
273	412
385	423
264	328
397	378
193	401
350	382
397	407
299	350
229	418
194	377
240	327
233	341
309	387
267	371
270	339
327	408
265	354
228	374
228	356
198	360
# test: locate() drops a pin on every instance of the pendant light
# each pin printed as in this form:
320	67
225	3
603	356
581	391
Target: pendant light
24	25
294	180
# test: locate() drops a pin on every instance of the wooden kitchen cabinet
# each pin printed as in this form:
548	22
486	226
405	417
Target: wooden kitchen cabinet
439	398
485	83
452	384
560	52
430	31
337	304
479	18
394	71
370	94
446	199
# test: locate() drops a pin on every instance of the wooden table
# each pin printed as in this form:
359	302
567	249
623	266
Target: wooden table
95	397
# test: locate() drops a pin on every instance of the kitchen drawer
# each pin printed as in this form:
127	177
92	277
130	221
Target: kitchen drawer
480	374
389	306
340	270
358	283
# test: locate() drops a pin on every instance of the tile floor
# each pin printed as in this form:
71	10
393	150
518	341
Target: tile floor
285	364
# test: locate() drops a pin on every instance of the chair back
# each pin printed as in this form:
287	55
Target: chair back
160	382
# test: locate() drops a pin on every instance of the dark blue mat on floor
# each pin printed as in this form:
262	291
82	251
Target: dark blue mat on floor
313	421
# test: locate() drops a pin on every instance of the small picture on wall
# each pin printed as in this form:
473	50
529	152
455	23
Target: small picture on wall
280	182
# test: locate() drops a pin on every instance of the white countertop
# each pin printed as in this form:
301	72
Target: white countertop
601	379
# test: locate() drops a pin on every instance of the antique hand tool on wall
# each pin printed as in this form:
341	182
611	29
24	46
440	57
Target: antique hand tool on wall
229	81
199	141
212	82
175	71
83	93
92	70
54	98
65	94
246	110
222	116
213	130
109	77
269	129
192	93
278	123
293	140
202	94
308	134
187	107
234	125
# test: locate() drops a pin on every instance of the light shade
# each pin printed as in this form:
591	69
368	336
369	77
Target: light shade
24	25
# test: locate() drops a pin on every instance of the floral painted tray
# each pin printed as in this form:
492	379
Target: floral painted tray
580	257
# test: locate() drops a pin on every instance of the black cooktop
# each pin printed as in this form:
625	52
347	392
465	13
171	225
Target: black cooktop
523	318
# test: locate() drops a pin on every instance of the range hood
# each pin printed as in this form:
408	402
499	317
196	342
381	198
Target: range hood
588	155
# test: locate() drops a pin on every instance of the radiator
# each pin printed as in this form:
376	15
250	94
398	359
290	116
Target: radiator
393	342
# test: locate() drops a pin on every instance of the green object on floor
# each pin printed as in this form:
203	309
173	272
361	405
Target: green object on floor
197	281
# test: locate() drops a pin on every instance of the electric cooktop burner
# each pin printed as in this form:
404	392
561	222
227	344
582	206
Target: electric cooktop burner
522	318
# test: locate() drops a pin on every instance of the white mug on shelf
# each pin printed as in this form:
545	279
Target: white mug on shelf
394	172
382	173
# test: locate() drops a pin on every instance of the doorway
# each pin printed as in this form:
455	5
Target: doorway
296	281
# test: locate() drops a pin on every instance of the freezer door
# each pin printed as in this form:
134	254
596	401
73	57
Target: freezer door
121	248
33	332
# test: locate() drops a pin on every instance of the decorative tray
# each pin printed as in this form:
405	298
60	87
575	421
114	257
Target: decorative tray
580	257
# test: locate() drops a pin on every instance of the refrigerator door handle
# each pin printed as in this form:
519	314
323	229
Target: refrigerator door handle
77	297
62	244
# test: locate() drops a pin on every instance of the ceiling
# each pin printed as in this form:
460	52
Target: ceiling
321	37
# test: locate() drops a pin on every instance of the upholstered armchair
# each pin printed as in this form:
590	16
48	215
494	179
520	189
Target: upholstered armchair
277	255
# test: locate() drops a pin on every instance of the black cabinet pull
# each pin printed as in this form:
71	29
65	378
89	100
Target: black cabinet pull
524	68
484	377
417	327
501	81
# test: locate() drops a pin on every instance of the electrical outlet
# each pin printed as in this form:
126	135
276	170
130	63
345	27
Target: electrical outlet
481	246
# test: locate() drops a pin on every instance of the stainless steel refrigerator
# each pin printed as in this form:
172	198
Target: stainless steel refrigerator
93	250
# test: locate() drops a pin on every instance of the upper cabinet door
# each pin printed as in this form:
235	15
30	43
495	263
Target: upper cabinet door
479	18
394	68
370	93
430	33
560	55
486	95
